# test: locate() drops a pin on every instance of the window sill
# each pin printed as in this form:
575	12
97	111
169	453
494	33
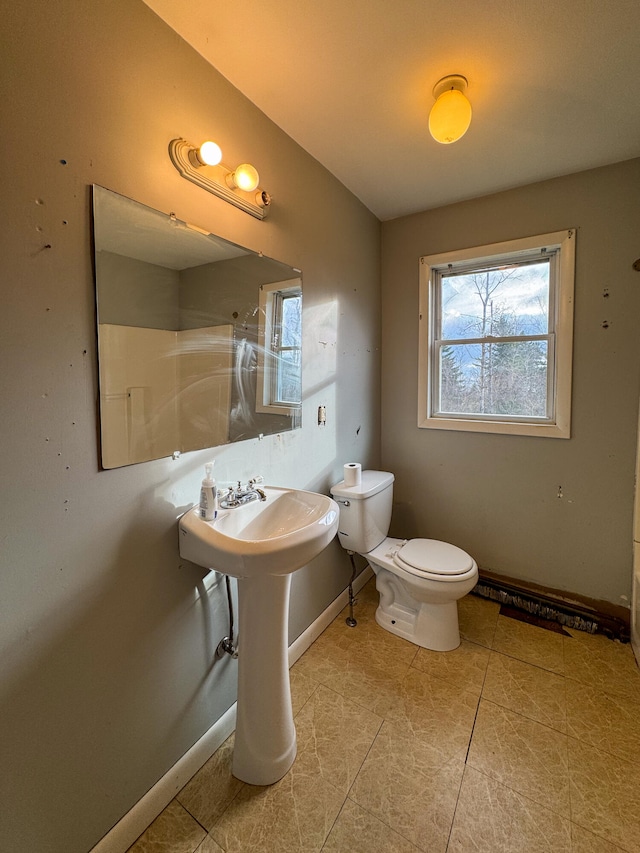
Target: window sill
540	430
269	408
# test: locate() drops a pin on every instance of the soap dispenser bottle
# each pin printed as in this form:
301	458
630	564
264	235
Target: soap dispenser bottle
208	495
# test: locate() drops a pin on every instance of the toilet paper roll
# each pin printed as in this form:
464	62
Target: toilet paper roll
352	474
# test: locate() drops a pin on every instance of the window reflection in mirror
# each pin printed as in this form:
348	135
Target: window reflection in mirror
181	336
280	347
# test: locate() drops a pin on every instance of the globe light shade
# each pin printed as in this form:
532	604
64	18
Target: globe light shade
450	116
246	177
209	153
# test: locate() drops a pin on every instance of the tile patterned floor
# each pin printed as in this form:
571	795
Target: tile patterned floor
521	739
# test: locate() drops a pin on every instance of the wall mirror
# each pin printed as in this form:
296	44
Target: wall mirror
199	340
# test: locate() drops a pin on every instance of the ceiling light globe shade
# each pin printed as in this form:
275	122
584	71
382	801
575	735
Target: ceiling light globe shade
210	153
246	177
450	117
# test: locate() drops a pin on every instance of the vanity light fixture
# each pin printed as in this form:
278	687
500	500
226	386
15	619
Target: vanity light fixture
245	177
209	154
450	116
202	165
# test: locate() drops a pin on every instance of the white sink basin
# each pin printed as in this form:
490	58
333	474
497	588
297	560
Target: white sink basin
261	544
274	537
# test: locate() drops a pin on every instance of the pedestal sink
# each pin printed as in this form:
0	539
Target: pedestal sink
262	543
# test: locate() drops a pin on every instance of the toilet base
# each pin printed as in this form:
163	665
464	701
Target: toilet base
432	626
403	610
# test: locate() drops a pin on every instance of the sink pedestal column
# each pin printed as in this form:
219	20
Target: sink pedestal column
265	744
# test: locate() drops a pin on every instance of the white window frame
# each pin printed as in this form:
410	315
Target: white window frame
560	338
268	346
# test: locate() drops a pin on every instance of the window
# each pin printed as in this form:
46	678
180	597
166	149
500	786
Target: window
280	347
496	337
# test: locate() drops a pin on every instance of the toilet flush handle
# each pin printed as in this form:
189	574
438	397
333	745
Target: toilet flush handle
344	503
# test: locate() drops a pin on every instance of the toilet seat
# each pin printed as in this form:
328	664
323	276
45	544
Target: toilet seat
431	558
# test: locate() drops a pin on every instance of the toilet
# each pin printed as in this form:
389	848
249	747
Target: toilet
419	581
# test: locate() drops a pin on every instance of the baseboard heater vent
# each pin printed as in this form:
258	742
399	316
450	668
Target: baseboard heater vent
546	606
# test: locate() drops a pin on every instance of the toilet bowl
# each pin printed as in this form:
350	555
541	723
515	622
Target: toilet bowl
419	581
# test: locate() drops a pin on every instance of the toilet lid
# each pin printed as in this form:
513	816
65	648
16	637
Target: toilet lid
434	558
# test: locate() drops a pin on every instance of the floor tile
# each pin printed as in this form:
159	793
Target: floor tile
212	788
173	831
410	786
604	795
357	831
602	663
478	618
293	816
528	690
554	738
368	637
523	755
464	667
603	720
492	818
209	846
334	737
583	841
354	674
436	712
530	644
302	687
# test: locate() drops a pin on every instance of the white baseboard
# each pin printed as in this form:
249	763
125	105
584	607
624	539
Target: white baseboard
147	809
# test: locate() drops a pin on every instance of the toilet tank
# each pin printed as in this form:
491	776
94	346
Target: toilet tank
365	511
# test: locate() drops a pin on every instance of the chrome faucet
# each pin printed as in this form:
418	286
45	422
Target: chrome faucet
239	495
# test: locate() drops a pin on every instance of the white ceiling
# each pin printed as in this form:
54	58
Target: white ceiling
553	86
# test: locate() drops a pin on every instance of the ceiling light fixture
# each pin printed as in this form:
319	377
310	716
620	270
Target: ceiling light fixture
450	116
202	166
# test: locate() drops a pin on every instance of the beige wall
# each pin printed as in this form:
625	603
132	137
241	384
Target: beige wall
105	642
497	496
